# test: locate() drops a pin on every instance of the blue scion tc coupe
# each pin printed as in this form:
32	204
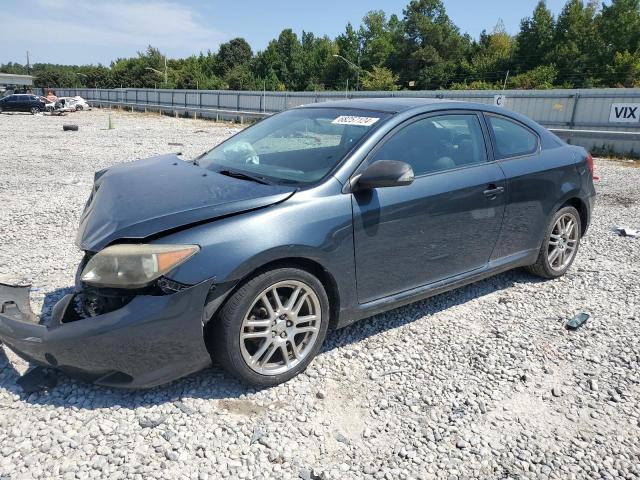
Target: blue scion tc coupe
309	220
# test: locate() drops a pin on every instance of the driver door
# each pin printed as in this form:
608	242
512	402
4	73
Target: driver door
444	224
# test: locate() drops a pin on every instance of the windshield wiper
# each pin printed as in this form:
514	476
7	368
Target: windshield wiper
243	176
196	160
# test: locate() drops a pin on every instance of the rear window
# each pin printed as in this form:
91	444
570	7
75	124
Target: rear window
511	138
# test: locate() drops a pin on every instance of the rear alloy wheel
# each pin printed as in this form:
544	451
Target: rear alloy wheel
34	110
272	327
79	108
561	244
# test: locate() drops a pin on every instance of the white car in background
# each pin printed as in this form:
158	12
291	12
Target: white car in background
79	102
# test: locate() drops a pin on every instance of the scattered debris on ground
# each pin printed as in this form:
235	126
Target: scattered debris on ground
626	232
577	321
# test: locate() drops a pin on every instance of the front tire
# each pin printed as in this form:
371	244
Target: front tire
34	110
272	327
560	245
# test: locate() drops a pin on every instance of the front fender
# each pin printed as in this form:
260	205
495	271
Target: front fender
318	229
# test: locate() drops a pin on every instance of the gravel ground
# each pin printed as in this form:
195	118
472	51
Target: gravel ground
482	382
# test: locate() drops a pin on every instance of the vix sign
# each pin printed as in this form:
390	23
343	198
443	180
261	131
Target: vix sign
625	113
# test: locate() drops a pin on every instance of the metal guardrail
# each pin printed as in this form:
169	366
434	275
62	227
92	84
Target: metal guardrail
581	116
202	112
608	134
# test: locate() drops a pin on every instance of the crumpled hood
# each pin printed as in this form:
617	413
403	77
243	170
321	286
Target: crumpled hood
147	197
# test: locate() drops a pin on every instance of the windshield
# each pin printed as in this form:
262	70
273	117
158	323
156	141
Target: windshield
297	146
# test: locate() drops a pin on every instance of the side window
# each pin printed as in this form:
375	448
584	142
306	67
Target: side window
436	143
512	139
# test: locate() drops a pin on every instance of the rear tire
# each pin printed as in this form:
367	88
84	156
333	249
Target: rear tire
79	108
560	245
246	326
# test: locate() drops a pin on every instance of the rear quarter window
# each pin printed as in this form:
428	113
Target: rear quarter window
511	138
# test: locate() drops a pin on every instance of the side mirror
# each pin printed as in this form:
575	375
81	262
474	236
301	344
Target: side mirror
384	173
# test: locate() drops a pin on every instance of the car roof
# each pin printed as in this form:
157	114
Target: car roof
398	105
388	104
421	105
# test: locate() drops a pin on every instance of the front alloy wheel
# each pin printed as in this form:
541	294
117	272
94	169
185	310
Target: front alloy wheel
281	328
34	110
270	329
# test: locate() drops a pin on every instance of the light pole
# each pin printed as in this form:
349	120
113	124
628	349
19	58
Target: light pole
353	65
165	71
166	80
78	74
159	73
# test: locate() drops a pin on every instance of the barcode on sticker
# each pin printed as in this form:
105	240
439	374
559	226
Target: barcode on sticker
349	120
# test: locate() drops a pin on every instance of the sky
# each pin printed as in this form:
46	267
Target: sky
91	32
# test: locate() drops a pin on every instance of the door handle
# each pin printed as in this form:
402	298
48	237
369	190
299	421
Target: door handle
493	191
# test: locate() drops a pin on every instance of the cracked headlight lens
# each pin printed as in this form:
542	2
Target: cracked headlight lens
134	266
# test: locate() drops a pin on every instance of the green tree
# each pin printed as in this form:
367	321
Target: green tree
289	64
535	39
231	54
476	85
375	39
434	47
53	76
97	77
625	70
189	74
241	77
491	56
576	44
137	71
542	77
208	64
317	56
14	68
264	67
348	47
380	78
619	26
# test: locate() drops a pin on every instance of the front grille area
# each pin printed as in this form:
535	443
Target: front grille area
93	301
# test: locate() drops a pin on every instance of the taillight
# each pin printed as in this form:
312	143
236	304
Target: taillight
591	167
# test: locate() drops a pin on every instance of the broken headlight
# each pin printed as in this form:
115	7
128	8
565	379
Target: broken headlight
134	266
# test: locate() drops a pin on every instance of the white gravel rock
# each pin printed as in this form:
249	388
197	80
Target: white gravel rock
458	386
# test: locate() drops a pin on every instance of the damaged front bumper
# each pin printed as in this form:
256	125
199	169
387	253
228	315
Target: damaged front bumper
151	340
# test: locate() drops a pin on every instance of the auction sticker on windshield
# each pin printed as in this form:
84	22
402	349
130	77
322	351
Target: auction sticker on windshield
349	120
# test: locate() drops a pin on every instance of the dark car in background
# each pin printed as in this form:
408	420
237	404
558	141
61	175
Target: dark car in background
22	102
309	220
